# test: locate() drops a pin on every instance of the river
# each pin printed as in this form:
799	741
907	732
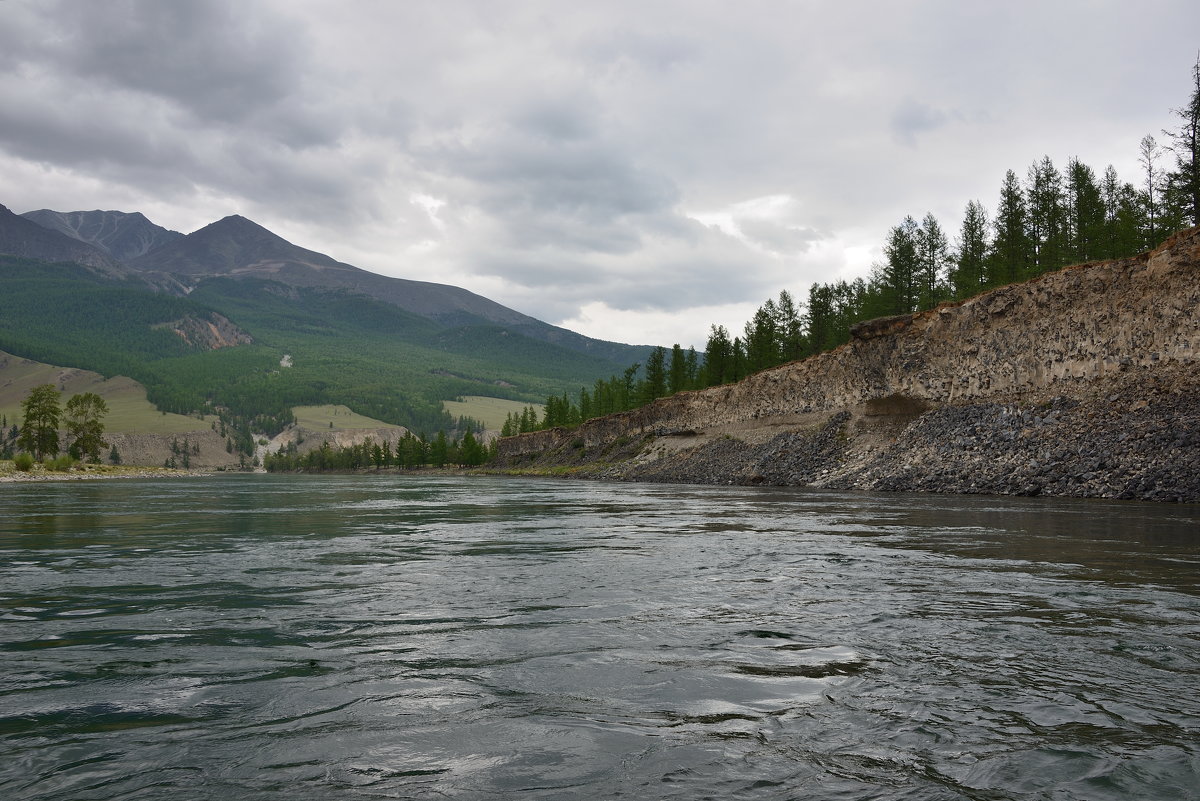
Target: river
347	637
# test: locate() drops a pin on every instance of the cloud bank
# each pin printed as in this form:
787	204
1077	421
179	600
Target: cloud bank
636	171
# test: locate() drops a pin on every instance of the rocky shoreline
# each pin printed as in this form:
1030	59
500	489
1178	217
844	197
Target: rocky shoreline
106	473
1082	383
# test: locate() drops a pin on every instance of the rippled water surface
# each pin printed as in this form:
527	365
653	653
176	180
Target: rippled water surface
263	637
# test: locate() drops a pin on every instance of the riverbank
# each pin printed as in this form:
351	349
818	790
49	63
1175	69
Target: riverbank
1080	383
9	475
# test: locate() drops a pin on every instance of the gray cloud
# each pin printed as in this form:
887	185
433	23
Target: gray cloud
565	157
912	117
218	59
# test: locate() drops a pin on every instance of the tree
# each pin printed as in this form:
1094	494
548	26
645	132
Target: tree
439	451
718	357
1010	256
897	278
655	383
1047	217
1183	184
1148	153
761	339
788	328
1123	215
1085	213
85	430
933	256
471	453
969	273
677	372
41	413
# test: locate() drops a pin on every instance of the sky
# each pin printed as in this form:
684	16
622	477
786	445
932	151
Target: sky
634	171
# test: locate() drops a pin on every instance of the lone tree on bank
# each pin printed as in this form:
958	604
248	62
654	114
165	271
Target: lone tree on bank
1183	186
39	429
85	431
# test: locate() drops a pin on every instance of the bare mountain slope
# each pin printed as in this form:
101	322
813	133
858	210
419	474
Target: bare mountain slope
27	239
120	234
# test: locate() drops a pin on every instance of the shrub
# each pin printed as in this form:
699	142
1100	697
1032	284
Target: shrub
59	464
23	462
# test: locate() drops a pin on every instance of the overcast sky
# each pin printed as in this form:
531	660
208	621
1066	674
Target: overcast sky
634	171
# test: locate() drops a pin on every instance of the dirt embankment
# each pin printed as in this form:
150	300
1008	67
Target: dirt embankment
1083	382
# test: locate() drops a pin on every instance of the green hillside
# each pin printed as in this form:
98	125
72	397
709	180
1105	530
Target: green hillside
371	356
128	409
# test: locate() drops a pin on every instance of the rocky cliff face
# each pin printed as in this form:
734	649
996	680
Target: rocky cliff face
1081	382
210	333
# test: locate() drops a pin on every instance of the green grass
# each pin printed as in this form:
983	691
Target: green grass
318	417
492	412
128	409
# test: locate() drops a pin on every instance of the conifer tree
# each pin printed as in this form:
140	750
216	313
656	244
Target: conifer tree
1148	155
1085	213
788	328
677	371
1183	186
1010	257
654	385
761	338
718	357
40	414
896	279
933	255
969	273
1047	217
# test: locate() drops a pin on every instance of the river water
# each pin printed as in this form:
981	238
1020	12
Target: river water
334	637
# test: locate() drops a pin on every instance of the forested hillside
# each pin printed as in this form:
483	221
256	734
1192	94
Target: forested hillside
340	347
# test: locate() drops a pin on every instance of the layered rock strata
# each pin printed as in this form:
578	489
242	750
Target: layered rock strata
1082	382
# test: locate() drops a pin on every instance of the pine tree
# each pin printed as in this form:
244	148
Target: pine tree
1047	217
470	451
1183	185
40	414
1085	213
677	371
1148	154
654	385
969	274
691	366
933	256
788	328
761	339
718	357
439	451
897	278
1011	252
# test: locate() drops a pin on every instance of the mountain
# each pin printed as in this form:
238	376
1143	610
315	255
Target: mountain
240	248
28	239
121	235
234	318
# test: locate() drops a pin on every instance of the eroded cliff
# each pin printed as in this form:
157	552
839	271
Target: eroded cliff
1080	382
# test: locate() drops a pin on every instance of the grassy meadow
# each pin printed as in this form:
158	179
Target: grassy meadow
128	409
492	412
315	417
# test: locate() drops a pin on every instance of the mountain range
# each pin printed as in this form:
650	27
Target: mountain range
147	301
